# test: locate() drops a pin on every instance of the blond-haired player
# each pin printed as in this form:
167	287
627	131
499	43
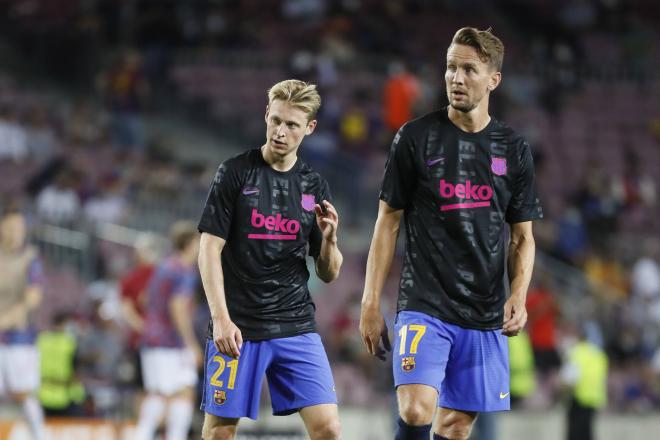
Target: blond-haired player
266	211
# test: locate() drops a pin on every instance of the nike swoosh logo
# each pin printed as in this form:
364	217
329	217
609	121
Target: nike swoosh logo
432	162
249	192
503	395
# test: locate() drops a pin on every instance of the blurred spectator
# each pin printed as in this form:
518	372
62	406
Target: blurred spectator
606	273
13	138
100	352
598	202
639	189
355	125
126	89
303	9
543	311
521	359
645	301
346	342
133	295
108	205
638	193
20	294
59	203
85	124
572	235
41	139
61	393
645	275
171	353
585	372
402	90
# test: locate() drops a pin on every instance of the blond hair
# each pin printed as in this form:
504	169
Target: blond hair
182	233
299	94
489	48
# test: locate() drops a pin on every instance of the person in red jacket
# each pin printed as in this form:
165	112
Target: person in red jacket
132	287
402	90
543	311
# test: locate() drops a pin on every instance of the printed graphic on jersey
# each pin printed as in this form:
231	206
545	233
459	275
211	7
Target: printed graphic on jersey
250	191
308	202
276	223
434	161
470	195
498	166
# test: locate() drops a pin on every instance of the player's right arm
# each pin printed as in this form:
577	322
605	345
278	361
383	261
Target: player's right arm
226	335
131	315
372	324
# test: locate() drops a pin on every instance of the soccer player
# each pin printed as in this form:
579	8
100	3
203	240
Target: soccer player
20	293
265	211
456	176
170	352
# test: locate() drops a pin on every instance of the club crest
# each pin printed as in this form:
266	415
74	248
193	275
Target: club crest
219	397
408	363
308	202
498	166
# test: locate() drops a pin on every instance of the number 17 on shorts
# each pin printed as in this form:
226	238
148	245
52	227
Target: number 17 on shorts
420	356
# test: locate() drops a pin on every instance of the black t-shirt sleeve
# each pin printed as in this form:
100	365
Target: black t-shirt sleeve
315	236
219	209
400	173
524	204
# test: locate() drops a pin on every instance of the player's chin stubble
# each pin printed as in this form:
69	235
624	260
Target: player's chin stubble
463	108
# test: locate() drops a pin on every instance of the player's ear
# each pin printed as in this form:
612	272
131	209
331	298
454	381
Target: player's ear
266	116
311	125
494	81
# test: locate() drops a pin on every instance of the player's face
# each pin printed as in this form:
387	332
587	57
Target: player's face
468	78
286	126
12	232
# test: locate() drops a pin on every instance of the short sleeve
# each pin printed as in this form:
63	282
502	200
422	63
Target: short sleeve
315	236
524	204
219	209
184	284
400	176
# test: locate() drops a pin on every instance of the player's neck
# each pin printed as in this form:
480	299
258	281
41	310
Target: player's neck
279	162
473	121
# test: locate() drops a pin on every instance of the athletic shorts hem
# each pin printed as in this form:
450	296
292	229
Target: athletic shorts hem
209	410
416	382
303	404
476	407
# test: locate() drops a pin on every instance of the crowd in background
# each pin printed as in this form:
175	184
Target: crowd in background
77	153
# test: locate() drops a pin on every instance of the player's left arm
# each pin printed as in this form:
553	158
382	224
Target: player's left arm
330	258
17	316
521	262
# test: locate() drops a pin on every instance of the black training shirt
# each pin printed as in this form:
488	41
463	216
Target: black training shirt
268	221
458	190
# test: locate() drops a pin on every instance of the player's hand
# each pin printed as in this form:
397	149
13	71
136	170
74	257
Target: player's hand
329	221
227	337
373	329
515	315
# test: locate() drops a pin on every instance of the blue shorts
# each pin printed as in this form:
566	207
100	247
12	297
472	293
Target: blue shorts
297	370
469	368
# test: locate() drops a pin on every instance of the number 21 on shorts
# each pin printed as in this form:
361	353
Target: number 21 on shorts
222	365
419	331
